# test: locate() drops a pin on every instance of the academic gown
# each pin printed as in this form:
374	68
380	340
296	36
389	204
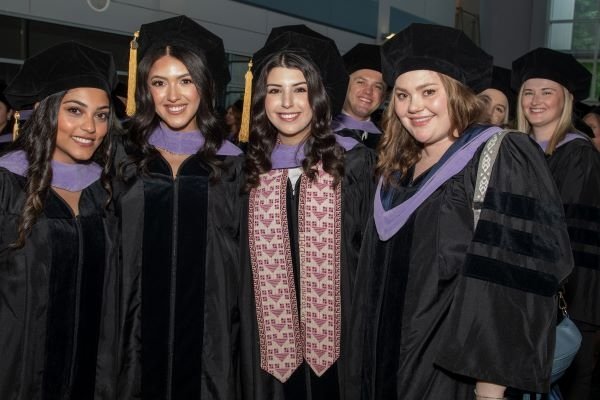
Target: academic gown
51	295
368	139
439	306
357	195
178	323
575	167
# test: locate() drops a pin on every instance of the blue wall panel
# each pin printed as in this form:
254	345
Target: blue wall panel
358	16
401	19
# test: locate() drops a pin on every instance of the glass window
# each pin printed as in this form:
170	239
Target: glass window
574	27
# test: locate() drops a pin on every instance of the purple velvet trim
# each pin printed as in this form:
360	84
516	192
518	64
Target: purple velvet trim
186	143
71	177
291	156
343	121
568	137
389	222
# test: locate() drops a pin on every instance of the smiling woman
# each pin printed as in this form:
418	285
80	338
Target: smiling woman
309	198
433	290
56	228
550	82
179	206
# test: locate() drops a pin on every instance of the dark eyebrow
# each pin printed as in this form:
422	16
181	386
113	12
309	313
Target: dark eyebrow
82	104
166	79
295	84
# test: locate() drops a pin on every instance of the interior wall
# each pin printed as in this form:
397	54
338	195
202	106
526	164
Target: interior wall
510	28
243	28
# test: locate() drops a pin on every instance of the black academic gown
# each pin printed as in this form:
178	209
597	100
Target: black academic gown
51	295
368	139
357	195
179	319
439	307
576	170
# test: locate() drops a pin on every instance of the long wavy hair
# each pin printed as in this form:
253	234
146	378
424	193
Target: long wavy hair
38	141
564	126
320	146
146	119
398	151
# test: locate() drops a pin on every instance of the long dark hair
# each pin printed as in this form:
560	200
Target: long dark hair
38	141
321	144
146	120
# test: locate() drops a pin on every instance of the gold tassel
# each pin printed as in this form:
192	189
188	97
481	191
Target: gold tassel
16	125
133	46
244	134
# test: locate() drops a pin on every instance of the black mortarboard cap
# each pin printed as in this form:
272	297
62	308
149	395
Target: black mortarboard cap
580	109
436	48
553	65
501	81
320	49
3	98
65	66
186	33
363	56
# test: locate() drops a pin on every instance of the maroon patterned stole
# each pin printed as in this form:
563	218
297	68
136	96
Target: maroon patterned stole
286	337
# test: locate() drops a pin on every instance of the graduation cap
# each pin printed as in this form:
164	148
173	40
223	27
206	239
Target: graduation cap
177	31
319	49
501	82
2	96
68	65
580	109
553	65
436	48
65	66
363	56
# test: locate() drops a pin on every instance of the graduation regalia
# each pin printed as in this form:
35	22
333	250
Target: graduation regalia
441	304
356	206
52	289
52	294
361	56
575	167
179	254
436	296
296	302
177	311
574	164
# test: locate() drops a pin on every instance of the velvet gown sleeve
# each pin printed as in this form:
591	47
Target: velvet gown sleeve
576	169
500	324
22	353
358	192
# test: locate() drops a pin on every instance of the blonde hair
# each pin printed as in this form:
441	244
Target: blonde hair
564	125
399	151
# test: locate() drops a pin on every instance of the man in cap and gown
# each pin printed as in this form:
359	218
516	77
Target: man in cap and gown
366	91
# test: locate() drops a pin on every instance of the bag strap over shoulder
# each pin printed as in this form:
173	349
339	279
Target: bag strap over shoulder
484	171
